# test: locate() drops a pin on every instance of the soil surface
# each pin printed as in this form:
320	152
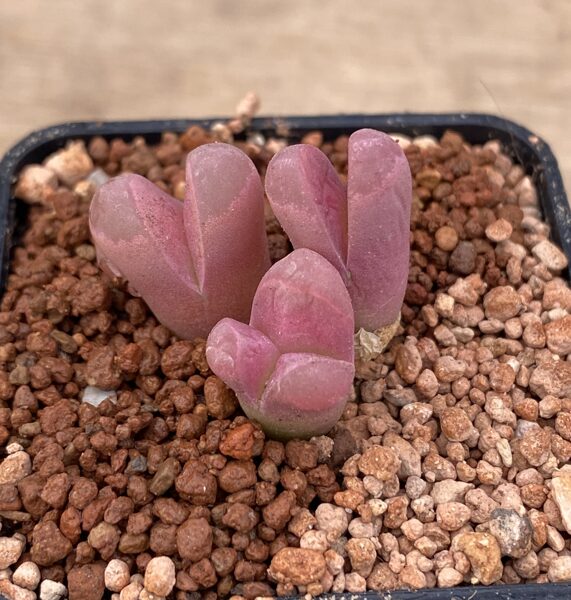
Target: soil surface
128	471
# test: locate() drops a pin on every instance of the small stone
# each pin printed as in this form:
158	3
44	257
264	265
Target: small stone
360	529
502	303
15	467
451	516
331	519
399	396
449	490
412	577
165	476
27	575
448	369
535	446
117	575
560	569
382	578
314	540
556	294
561	487
132	591
550	255
444	305
297	566
427	384
52	590
512	531
551	378
484	554
446	238
104	537
408	455
490	326
36	184
444	336
241	442
449	577
194	539
463	292
10	591
558	334
71	164
549	407
463	259
86	582
355	583
499	230
11	549
65	341
382	463
408	362
49	545
502	377
160	576
95	396
455	424
428	177
220	400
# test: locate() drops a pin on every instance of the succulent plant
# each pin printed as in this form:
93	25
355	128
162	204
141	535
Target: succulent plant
292	367
361	228
202	267
193	262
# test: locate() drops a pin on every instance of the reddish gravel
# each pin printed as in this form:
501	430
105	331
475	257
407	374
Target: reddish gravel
449	463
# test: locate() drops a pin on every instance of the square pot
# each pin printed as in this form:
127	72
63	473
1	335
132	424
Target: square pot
527	149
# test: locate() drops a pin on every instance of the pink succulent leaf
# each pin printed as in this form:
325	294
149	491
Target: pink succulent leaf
302	305
137	230
309	201
305	395
224	221
194	263
379	192
363	232
242	357
292	368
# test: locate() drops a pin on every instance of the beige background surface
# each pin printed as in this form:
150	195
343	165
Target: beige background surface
108	59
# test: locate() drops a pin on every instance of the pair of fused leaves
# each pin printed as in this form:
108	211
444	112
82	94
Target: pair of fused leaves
193	262
362	229
198	262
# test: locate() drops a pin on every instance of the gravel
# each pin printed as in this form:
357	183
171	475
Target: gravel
130	468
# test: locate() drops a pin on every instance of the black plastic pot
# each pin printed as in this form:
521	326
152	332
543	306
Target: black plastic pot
527	149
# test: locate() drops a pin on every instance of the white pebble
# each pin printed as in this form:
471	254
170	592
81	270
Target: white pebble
27	575
35	184
95	396
550	255
98	177
425	141
117	575
71	164
160	576
14	447
52	590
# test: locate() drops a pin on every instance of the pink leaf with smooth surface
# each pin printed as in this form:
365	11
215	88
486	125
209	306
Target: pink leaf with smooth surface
363	231
292	367
303	188
379	193
301	308
193	263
